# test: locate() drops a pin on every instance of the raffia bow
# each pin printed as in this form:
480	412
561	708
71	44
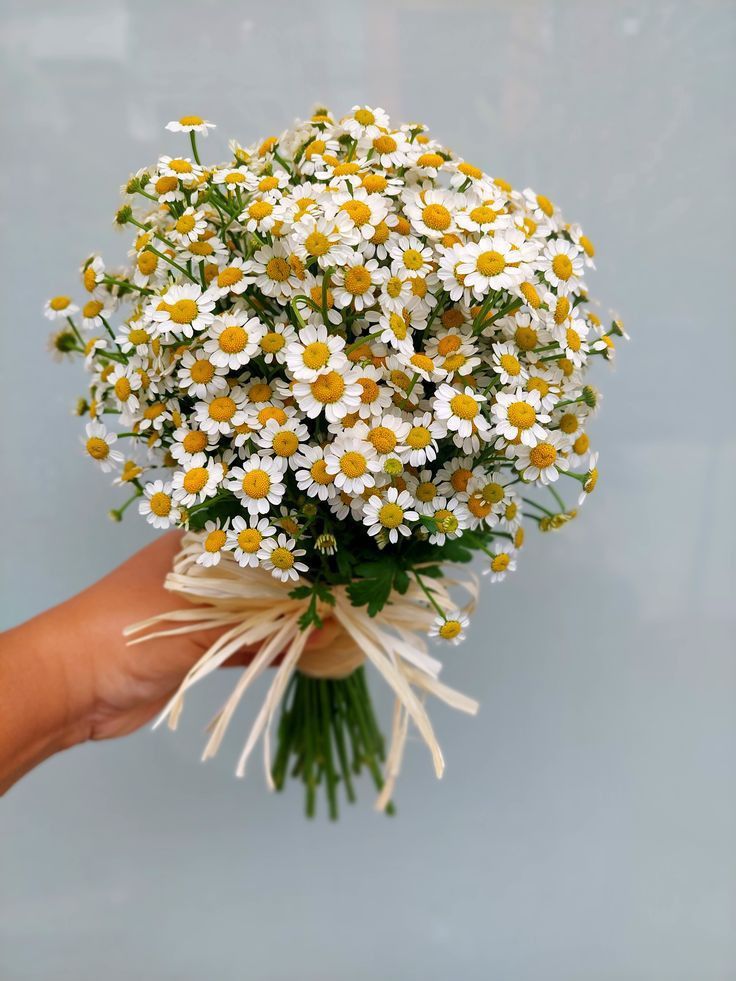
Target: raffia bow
253	608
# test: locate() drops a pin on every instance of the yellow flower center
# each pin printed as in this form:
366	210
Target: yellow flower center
436	217
430	160
185	224
422	362
573	339
446	521
160	504
122	389
269	412
587	246
183	311
316	355
385	144
138	336
317	244
562	267
394	286
526	338
493	492
191	121
391	515
511	511
194	442
448	344
419	437
201	248
353	464
180	166
222	409
358	212
89	278
202	371
319	474
282	558
562	308
272	342
483	215
60	303
233	340
490	263
365	117
278	269
464	406
147	263
510	364
328	388
545	205
268	183
249	540
581	444
97	447
522	415
470	171
370	391
285	443
165	184
542	455
374	183
91	309
460	478
383	439
195	479
569	423
398	326
478	507
260	210
537	384
229	276
256	484
215	540
426	491
357	280
450	629
500	562
591	481
530	295
413	259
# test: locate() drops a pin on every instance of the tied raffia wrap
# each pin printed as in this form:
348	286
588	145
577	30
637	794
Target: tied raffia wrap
255	610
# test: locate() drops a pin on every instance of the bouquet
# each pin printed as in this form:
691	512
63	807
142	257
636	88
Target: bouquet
344	362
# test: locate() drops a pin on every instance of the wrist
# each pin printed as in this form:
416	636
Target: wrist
43	706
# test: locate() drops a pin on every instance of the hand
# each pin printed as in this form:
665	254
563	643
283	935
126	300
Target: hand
68	675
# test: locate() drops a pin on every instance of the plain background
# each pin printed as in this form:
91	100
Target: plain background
585	827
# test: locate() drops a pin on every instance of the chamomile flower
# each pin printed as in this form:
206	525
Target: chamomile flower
314	352
591	479
259	483
245	539
189	226
183	309
503	560
283	439
59	307
222	413
230	278
198	481
233	339
354	463
355	283
312	475
451	518
543	461
421	439
450	628
213	544
270	271
332	393
190	124
189	442
280	555
431	212
98	445
518	416
562	265
390	514
274	343
157	505
125	383
461	410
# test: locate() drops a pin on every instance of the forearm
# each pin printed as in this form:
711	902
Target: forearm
41	709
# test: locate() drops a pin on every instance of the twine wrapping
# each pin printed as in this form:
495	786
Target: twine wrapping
254	610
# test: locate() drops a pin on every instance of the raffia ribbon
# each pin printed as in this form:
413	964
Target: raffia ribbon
254	610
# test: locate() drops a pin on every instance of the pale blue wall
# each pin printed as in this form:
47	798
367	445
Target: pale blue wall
585	828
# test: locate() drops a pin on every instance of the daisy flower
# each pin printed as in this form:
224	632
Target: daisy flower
230	278
93	273
312	475
562	265
190	124
199	377
274	343
591	479
270	272
222	413
410	256
328	240
454	476
543	461
451	518
461	410
213	544
333	393
314	352
363	212
157	505
283	439
503	560
507	364
259	483
375	397
125	383
490	264
133	336
450	628
233	339
364	123
431	212
189	226
183	309
421	439
189	443
356	282
279	556
518	416
354	462
245	539
59	307
197	482
98	445
389	515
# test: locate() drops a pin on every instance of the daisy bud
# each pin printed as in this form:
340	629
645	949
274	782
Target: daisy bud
326	544
590	396
123	215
